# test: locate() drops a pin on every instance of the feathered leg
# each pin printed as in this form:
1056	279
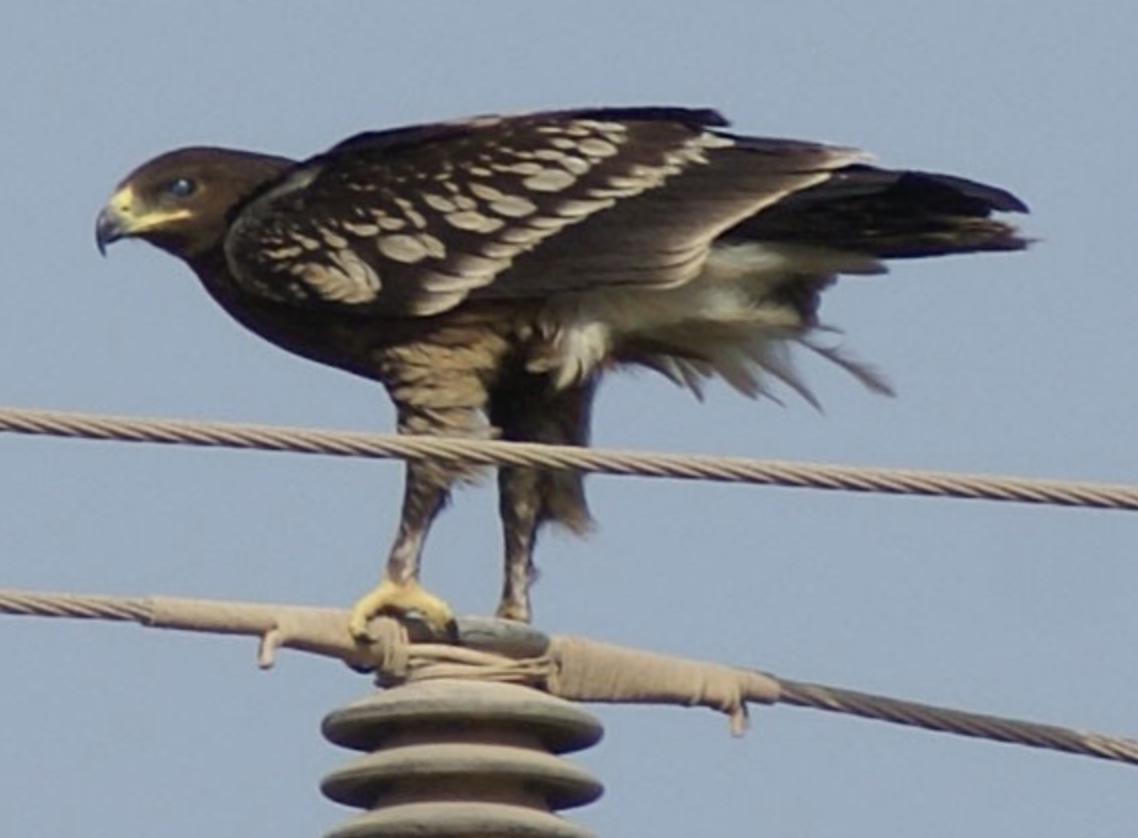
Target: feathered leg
520	507
531	411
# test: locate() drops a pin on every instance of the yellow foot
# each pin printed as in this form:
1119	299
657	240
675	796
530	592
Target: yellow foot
391	597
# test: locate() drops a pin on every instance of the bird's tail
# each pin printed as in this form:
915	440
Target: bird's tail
890	215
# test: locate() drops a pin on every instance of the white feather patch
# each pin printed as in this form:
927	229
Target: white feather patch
728	322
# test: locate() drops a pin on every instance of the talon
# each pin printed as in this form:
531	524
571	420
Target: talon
406	598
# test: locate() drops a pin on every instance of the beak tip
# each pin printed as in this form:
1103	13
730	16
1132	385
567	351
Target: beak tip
108	229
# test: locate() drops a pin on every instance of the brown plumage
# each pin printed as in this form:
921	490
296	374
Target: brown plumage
489	271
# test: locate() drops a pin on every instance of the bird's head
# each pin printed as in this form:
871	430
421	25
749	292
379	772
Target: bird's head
182	201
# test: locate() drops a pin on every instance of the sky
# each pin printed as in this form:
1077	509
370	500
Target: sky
1010	363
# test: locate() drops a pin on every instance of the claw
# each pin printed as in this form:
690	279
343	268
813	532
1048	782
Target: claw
408	597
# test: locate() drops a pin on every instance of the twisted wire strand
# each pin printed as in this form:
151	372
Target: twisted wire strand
958	722
324	632
75	606
592	460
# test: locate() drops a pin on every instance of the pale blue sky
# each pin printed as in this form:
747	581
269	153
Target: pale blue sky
1007	363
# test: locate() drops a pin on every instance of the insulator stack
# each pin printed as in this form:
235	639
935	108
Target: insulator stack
461	758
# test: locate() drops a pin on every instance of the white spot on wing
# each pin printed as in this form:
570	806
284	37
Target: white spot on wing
632	184
333	240
580	128
362	230
485	191
307	242
513	206
403	248
521	235
434	246
525	169
596	147
499	250
473	221
613	130
574	165
710	140
345	278
282	252
547	223
438	202
580	209
549	180
390	224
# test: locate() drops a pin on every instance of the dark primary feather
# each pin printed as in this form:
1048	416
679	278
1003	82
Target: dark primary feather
890	214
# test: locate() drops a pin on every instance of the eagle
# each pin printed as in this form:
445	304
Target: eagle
489	272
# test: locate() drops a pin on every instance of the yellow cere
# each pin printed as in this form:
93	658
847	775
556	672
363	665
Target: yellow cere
123	206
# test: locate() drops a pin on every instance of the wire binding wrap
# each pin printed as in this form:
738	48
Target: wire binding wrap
573	668
589	460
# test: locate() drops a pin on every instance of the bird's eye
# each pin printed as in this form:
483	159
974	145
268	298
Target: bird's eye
181	187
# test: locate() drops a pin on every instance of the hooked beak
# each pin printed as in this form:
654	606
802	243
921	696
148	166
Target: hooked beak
109	227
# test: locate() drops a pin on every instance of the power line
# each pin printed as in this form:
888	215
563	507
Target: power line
590	460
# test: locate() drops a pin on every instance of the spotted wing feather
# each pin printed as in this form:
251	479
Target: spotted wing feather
415	221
